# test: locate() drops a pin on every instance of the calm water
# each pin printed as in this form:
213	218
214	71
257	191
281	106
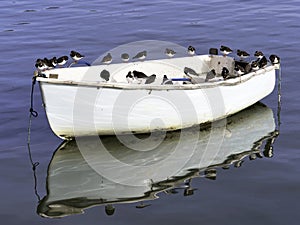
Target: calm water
263	191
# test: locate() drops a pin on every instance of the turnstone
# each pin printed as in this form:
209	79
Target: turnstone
239	70
274	59
210	75
125	57
62	60
166	80
107	59
170	52
76	56
262	62
150	79
225	50
105	75
242	54
141	55
225	73
258	54
191	50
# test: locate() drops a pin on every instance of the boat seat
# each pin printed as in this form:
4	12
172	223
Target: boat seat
217	62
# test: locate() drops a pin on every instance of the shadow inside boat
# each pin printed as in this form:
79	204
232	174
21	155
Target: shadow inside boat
106	171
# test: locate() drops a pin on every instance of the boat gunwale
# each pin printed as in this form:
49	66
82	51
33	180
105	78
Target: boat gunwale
127	86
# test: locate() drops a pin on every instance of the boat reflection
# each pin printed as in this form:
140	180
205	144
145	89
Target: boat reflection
89	172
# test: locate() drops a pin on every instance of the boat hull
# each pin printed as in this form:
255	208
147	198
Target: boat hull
84	109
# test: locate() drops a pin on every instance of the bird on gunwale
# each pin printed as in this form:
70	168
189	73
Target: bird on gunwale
141	55
191	50
210	75
239	70
125	57
225	50
242	54
262	62
40	65
225	73
254	66
166	80
105	75
76	56
107	59
259	54
274	59
170	52
61	61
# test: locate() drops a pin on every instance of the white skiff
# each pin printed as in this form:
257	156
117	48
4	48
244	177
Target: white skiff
78	102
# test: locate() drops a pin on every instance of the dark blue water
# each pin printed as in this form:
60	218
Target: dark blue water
264	191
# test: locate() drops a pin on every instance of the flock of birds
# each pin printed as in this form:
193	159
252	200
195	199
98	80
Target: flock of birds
139	77
260	62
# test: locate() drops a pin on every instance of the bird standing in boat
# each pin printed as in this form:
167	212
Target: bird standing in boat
141	55
107	59
125	57
225	50
210	75
170	52
190	72
242	54
76	56
225	73
61	61
150	79
166	80
239	70
105	75
191	50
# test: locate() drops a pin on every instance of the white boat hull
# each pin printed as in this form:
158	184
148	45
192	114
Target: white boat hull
89	108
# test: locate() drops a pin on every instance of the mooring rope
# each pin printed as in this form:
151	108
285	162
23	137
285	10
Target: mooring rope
32	114
279	97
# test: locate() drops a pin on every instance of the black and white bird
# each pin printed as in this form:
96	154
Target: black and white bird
242	54
125	57
225	50
166	80
190	72
53	61
191	50
40	65
225	73
139	75
107	59
105	75
210	75
239	70
259	54
61	61
150	79
262	62
141	55
131	79
76	56
170	52
254	66
274	59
